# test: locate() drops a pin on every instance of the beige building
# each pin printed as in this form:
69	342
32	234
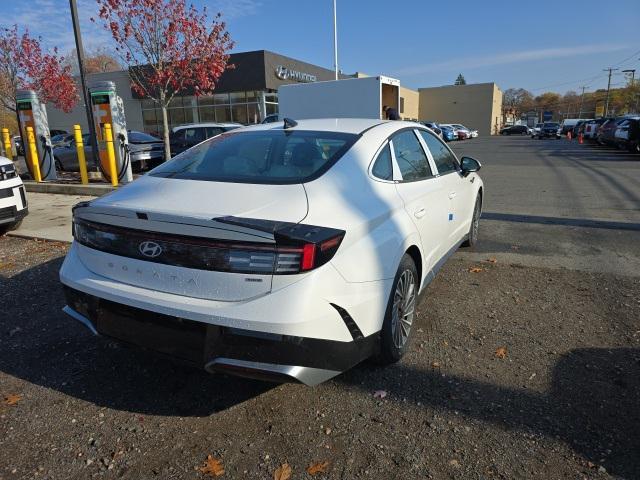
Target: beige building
477	106
409	103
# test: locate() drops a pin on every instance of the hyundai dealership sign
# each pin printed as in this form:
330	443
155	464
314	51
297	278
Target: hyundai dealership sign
284	73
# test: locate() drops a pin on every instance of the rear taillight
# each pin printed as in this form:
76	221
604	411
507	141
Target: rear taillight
297	248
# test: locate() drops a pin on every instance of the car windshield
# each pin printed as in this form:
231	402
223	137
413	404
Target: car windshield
141	137
58	138
551	125
264	157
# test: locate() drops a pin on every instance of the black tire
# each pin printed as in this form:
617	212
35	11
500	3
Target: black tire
7	227
399	317
472	236
58	164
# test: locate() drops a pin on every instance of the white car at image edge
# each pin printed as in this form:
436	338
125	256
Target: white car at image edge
284	251
13	199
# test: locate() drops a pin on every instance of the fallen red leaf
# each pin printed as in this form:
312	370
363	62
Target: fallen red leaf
501	352
475	269
212	467
12	399
283	472
317	467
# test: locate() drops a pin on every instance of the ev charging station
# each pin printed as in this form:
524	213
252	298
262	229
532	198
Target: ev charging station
32	113
107	108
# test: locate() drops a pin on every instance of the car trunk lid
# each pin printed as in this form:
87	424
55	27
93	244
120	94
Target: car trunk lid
183	240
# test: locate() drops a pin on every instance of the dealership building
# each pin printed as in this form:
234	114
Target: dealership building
248	92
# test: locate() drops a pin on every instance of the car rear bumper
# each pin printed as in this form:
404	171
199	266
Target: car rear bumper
216	348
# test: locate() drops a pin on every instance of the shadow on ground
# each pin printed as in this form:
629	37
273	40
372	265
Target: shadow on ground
593	403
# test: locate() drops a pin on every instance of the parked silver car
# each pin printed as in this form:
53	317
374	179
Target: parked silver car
146	151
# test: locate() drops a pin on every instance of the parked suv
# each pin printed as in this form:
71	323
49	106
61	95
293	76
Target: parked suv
549	130
591	128
515	130
184	137
13	199
607	130
627	135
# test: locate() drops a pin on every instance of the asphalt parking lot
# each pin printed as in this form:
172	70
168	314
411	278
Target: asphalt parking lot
525	363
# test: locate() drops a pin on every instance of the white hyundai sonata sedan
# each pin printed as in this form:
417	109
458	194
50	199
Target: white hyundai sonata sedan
285	251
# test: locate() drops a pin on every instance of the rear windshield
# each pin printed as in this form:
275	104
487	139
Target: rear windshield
265	156
141	137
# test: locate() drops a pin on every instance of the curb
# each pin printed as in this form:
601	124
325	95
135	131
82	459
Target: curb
67	188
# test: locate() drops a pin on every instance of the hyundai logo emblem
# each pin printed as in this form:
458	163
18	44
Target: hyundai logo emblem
150	249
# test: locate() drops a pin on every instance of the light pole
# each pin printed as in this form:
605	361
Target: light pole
335	40
85	95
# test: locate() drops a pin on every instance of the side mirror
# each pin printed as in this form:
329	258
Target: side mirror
469	165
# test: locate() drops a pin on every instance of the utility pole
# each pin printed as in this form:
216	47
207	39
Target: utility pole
335	40
85	93
606	104
633	75
582	101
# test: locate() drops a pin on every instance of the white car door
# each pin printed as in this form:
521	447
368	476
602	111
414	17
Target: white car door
459	189
423	195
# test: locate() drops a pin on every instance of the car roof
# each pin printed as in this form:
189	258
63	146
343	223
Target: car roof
207	124
344	125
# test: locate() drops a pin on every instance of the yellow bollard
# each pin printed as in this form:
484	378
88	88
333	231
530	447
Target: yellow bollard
7	143
81	159
111	154
33	153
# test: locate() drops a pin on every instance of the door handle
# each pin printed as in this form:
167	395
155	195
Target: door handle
452	194
419	213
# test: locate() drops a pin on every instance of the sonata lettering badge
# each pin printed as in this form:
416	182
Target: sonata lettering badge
150	249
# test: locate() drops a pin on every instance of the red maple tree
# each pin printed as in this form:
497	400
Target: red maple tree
169	47
25	65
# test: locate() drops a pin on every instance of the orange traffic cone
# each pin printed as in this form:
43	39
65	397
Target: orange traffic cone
569	134
580	141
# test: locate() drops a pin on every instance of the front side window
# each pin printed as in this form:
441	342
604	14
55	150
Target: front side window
382	166
442	156
262	157
410	157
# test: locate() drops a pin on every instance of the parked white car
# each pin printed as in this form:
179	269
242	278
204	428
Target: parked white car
290	250
13	199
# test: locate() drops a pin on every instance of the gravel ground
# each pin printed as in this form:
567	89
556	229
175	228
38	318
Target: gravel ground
562	402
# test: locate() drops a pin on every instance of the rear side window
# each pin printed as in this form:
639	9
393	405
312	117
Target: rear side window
263	157
442	157
194	135
382	167
410	157
213	131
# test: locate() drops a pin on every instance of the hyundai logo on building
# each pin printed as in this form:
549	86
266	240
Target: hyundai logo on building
284	73
150	249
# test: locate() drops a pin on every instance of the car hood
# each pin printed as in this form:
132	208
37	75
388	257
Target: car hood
207	200
5	161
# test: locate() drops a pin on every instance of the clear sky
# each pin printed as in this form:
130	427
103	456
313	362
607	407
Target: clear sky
539	45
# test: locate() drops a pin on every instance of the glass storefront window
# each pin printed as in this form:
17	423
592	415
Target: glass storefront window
204	101
149	117
148	104
238	97
207	114
253	96
253	113
272	108
221	98
223	114
176	116
239	112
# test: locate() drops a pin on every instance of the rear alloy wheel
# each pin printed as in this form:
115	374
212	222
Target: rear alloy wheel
472	236
401	309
